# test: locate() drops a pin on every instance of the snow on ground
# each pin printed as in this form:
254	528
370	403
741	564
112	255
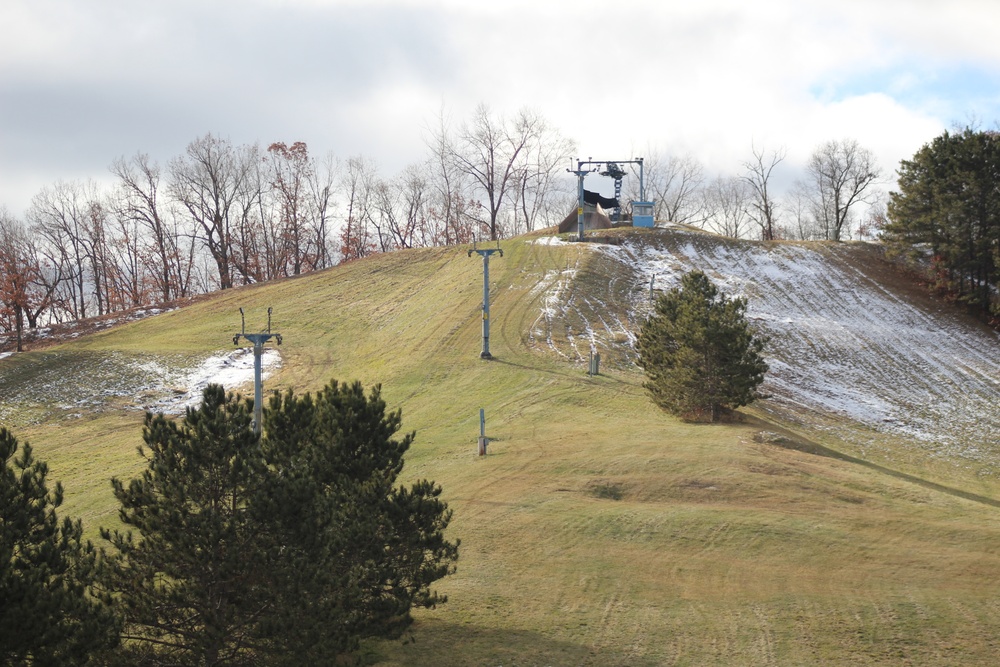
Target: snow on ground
75	383
552	287
149	382
233	370
841	344
581	318
549	240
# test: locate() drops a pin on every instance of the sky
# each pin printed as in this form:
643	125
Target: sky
83	82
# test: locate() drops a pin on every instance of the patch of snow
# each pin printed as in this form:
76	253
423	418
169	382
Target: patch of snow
551	287
233	370
841	345
549	240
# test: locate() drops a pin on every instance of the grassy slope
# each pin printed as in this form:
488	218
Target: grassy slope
598	531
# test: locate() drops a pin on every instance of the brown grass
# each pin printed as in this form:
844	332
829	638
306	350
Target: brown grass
598	531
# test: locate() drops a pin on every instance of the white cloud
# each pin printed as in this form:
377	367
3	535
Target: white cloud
81	83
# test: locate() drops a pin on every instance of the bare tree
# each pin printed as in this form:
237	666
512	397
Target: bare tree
96	243
674	185
138	202
757	173
402	210
129	278
447	212
544	163
291	173
259	247
320	189
207	181
803	226
842	174
386	219
358	181
26	289
727	202
399	206
58	215
18	268
491	150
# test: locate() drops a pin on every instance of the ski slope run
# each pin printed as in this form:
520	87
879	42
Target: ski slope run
842	343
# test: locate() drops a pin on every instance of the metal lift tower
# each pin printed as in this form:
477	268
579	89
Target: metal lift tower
258	340
611	168
485	253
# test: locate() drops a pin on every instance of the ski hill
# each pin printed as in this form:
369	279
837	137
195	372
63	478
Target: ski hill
850	518
854	350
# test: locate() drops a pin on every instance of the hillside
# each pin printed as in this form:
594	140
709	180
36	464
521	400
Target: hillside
859	357
851	519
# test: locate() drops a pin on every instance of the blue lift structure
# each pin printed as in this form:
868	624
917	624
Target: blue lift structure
642	210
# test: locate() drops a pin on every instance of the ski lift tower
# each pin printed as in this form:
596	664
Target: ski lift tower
613	169
258	340
485	254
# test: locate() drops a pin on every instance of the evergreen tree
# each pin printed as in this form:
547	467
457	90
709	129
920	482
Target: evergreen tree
699	353
949	203
357	552
193	586
49	614
281	550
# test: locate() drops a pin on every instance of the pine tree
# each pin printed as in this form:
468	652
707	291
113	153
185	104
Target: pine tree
357	551
193	584
49	612
699	353
281	550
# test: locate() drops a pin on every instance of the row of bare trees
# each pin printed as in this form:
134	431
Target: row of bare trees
837	199
221	215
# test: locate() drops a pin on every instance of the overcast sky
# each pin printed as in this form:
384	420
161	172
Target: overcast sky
85	81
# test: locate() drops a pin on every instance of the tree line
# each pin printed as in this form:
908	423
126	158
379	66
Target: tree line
838	197
235	549
221	215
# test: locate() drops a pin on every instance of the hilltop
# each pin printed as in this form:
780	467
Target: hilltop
850	519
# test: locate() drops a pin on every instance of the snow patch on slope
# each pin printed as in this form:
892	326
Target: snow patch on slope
841	345
552	287
233	370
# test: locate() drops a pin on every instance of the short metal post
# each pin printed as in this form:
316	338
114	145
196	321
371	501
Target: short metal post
595	364
483	440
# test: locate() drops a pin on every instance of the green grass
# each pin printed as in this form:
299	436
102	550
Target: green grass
598	531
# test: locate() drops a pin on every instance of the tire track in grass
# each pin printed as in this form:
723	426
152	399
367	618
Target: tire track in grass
549	295
765	640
